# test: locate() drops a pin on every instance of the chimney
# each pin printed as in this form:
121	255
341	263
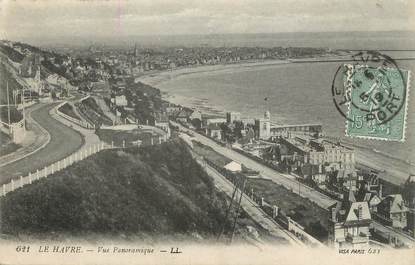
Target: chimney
360	212
333	214
380	191
275	211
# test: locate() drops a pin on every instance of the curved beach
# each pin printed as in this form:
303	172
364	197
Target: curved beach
398	168
157	78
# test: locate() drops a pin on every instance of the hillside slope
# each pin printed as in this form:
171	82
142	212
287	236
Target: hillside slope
155	190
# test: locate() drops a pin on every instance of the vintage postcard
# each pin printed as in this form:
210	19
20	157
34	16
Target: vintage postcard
207	132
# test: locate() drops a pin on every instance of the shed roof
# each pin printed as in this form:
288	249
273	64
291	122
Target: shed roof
233	166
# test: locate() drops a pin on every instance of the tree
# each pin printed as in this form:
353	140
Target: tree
196	123
227	132
239	126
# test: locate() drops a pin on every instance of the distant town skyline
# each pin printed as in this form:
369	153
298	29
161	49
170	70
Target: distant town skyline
34	20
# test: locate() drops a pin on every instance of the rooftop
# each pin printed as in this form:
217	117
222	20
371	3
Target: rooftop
353	213
393	204
233	166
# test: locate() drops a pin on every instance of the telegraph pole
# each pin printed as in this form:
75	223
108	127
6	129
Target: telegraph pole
8	101
228	210
22	99
237	209
1	222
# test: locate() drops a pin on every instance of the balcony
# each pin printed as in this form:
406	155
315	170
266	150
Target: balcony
362	238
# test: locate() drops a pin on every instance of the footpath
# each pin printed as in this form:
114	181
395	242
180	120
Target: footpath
90	138
58	154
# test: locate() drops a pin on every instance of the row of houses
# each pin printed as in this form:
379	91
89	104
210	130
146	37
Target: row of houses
350	219
211	125
314	159
195	119
330	165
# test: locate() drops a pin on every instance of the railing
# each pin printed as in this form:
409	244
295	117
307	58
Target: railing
54	167
13	130
5	127
86	97
83	124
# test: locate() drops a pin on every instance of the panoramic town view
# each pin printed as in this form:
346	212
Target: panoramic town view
209	139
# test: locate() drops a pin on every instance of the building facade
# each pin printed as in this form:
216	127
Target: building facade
263	126
328	152
392	207
231	117
214	131
349	224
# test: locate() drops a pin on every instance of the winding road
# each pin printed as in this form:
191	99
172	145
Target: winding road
63	141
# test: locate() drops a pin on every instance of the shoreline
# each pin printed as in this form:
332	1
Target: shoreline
379	159
156	78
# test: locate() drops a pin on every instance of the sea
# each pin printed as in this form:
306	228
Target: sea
297	93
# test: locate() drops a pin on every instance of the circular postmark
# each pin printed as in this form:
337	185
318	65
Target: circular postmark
371	85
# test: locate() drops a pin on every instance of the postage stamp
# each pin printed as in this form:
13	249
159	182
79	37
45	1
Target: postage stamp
378	102
372	95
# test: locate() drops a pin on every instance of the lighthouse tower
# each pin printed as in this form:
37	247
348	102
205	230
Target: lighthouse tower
263	126
267	115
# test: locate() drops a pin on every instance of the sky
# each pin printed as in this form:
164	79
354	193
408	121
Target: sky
37	19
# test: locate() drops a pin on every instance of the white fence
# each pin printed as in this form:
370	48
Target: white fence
55	167
16	131
5	127
291	225
298	229
81	123
86	97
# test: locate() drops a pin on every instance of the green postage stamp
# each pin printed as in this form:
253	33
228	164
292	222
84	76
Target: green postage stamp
378	104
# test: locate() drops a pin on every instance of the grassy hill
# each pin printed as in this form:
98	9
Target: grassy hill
155	190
